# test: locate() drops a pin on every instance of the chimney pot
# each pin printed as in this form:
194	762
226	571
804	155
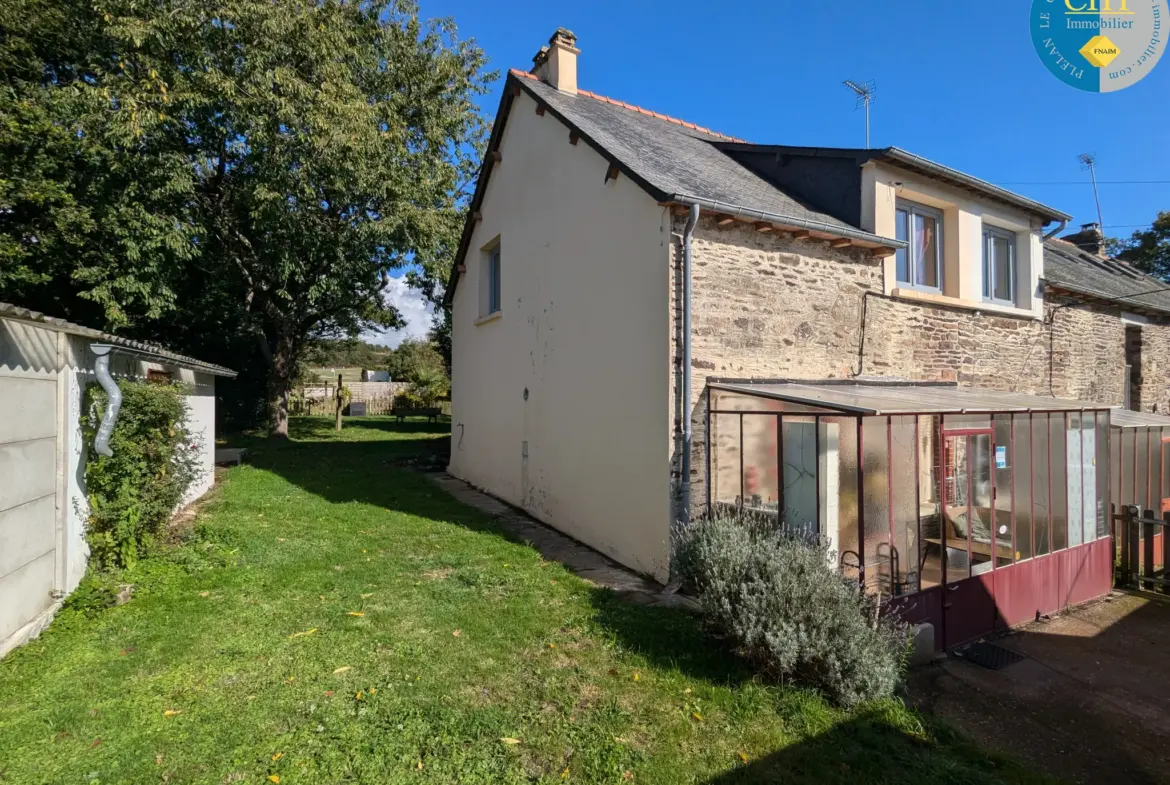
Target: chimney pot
1090	239
556	64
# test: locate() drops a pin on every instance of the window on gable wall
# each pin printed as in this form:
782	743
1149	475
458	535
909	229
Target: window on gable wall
920	264
489	280
999	265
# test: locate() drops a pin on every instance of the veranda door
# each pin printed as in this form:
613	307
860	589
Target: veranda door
969	538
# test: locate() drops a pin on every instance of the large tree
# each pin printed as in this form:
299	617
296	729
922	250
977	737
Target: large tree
1149	249
296	152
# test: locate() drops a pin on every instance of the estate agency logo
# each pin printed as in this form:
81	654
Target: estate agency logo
1099	45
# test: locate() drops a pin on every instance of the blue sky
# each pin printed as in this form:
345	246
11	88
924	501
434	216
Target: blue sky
957	82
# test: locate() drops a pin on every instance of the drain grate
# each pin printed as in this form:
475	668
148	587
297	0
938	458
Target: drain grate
989	655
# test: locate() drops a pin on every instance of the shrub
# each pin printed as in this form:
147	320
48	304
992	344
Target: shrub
789	611
134	492
408	400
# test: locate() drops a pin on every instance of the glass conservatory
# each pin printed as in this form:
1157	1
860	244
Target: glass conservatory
1140	467
969	509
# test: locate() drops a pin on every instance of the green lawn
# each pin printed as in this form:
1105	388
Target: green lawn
335	618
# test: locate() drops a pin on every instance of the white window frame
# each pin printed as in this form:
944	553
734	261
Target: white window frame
911	209
990	235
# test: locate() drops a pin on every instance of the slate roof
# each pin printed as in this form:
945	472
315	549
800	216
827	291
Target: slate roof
138	347
670	158
1069	268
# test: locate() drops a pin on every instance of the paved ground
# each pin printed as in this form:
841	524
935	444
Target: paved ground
553	545
1091	703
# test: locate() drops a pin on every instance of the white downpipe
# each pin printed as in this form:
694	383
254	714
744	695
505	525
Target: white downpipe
101	444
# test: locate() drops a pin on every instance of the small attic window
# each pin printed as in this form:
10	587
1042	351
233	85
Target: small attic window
490	301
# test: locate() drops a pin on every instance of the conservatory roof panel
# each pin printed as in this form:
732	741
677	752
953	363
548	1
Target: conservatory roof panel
1124	418
875	397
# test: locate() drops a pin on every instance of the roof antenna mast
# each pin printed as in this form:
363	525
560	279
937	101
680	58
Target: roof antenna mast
1089	161
865	92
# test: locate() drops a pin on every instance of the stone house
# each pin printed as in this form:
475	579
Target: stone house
581	378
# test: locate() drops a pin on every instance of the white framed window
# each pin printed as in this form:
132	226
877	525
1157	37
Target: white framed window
489	280
999	265
920	264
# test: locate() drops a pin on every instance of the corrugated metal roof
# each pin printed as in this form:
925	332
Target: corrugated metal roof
7	310
1124	418
897	397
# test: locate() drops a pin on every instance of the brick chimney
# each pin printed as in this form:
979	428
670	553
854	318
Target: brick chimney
1089	238
556	63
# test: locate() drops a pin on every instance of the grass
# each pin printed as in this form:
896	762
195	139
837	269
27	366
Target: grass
335	618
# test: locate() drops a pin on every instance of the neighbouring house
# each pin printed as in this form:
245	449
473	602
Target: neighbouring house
652	320
45	366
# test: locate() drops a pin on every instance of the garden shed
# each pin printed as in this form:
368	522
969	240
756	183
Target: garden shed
969	509
46	364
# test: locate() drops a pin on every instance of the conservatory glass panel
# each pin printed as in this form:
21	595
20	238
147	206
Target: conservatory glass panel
1088	477
876	505
800	475
1003	466
761	485
726	477
906	508
1022	444
1125	483
1141	480
1104	462
1075	469
1058	456
1041	536
930	506
838	480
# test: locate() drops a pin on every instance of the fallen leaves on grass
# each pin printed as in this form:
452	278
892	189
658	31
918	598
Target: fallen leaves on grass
274	778
637	676
355	613
328	693
510	740
696	716
204	594
277	756
437	575
743	756
342	669
172	712
365	596
96	743
302	634
457	633
565	773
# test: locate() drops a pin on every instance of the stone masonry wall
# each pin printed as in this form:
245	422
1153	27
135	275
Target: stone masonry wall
767	305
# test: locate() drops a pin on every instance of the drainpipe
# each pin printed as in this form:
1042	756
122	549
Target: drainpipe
685	491
1060	228
101	368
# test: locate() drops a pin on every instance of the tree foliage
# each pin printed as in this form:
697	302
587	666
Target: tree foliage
233	177
1148	250
346	353
414	358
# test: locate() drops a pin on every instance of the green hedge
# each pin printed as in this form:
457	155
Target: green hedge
133	493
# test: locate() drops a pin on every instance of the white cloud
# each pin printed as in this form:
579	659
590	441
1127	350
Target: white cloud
416	312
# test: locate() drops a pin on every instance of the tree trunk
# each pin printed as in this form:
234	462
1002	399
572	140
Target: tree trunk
279	383
278	408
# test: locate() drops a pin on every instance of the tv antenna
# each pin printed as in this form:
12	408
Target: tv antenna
864	92
1089	161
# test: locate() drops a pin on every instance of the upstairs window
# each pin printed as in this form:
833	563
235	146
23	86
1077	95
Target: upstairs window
999	265
489	280
920	264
